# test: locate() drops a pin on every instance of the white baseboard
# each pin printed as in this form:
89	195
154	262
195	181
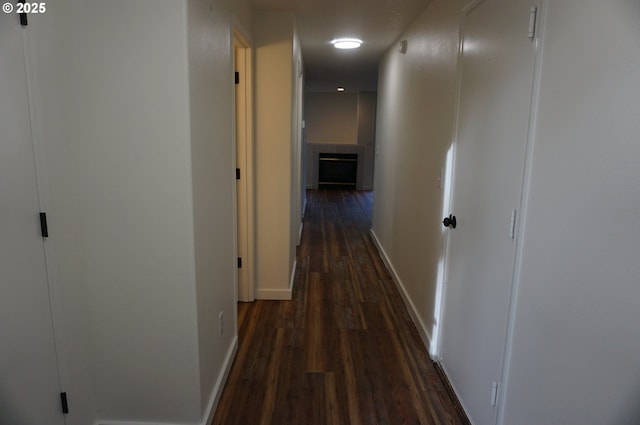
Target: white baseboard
300	233
304	206
425	335
278	294
273	294
222	379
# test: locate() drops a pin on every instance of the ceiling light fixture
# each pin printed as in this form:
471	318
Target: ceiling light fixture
346	43
341	89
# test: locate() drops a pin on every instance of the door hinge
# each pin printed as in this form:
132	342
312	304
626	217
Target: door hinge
533	14
239	262
237	74
494	393
23	15
237	174
64	403
44	230
512	227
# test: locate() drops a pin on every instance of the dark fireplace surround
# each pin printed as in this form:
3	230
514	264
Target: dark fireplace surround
337	170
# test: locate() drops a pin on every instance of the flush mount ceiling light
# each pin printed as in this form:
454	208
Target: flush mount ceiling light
346	43
340	89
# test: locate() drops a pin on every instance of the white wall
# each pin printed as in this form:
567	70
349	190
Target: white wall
213	181
331	117
274	61
340	118
575	337
136	119
413	134
367	101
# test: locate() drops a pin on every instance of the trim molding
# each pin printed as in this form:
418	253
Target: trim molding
425	335
299	235
273	294
279	294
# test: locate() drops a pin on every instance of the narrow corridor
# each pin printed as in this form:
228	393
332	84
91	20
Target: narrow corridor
344	350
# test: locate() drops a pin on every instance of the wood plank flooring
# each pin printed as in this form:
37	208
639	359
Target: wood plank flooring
344	350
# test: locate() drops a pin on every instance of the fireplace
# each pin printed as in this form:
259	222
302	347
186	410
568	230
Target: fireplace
337	170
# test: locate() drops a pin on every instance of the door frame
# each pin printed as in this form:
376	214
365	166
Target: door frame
244	158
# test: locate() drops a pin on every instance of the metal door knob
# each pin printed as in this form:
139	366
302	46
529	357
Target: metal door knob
450	221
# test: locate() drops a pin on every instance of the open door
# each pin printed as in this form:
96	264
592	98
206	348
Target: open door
244	169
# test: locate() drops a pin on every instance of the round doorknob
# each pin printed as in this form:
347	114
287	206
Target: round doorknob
450	221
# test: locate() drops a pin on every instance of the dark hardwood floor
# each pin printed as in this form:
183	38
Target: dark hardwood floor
344	350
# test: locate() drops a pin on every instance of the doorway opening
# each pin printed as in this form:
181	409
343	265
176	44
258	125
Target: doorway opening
245	220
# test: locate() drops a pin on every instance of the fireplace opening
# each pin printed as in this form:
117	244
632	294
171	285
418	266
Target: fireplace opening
337	170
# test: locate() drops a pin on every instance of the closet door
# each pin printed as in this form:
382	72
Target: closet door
29	382
493	114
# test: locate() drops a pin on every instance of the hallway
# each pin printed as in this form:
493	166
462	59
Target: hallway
344	350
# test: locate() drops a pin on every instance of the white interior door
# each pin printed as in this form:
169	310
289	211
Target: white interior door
496	85
29	382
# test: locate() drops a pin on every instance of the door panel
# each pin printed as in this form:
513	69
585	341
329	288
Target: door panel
496	78
29	383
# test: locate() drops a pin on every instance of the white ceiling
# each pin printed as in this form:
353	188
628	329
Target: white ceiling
377	22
